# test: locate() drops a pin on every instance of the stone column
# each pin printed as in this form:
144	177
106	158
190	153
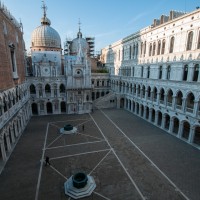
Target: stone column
183	104
8	142
171	125
180	130
163	122
158	98
196	108
191	135
43	91
3	151
136	90
16	131
190	72
152	96
146	94
12	135
164	71
150	114
156	118
140	109
19	126
165	100
174	102
38	107
145	112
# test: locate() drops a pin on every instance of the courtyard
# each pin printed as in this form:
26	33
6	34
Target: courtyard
128	158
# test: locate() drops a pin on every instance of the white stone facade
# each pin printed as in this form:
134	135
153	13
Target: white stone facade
15	113
155	74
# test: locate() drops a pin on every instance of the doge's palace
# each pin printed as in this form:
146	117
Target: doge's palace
155	74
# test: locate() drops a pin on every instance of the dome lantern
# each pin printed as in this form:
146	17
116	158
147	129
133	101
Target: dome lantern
44	37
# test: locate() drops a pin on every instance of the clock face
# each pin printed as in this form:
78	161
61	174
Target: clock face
46	71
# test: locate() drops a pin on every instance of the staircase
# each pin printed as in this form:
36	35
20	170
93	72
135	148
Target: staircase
107	101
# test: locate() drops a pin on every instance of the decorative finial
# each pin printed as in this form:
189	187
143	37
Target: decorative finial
44	7
79	25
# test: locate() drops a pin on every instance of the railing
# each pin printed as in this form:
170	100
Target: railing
161	102
169	104
178	107
12	111
190	110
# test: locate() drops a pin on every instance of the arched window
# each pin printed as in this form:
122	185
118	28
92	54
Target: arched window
160	72
148	71
154	49
130	51
141	48
189	41
163	47
145	44
47	88
185	73
150	49
62	88
136	50
142	72
198	44
168	72
171	45
196	73
32	89
159	46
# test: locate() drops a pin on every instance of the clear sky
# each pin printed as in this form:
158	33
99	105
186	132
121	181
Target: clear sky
106	20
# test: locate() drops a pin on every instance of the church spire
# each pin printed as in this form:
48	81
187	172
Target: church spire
79	34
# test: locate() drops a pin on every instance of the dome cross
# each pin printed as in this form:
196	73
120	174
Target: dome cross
44	7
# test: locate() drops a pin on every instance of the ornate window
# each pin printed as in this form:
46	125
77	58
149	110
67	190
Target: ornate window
32	89
148	71
163	47
13	60
142	72
185	73
154	48
145	45
5	28
189	41
160	72
130	51
141	48
62	88
150	49
47	88
198	44
171	45
196	73
159	46
168	72
136	50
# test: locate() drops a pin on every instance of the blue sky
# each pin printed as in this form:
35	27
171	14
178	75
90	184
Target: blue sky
106	20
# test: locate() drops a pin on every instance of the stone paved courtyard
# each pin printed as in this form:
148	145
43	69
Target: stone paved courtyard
128	157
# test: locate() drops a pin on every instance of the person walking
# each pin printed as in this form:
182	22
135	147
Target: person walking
47	161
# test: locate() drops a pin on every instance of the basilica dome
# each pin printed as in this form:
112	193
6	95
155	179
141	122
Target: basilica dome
45	36
77	43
